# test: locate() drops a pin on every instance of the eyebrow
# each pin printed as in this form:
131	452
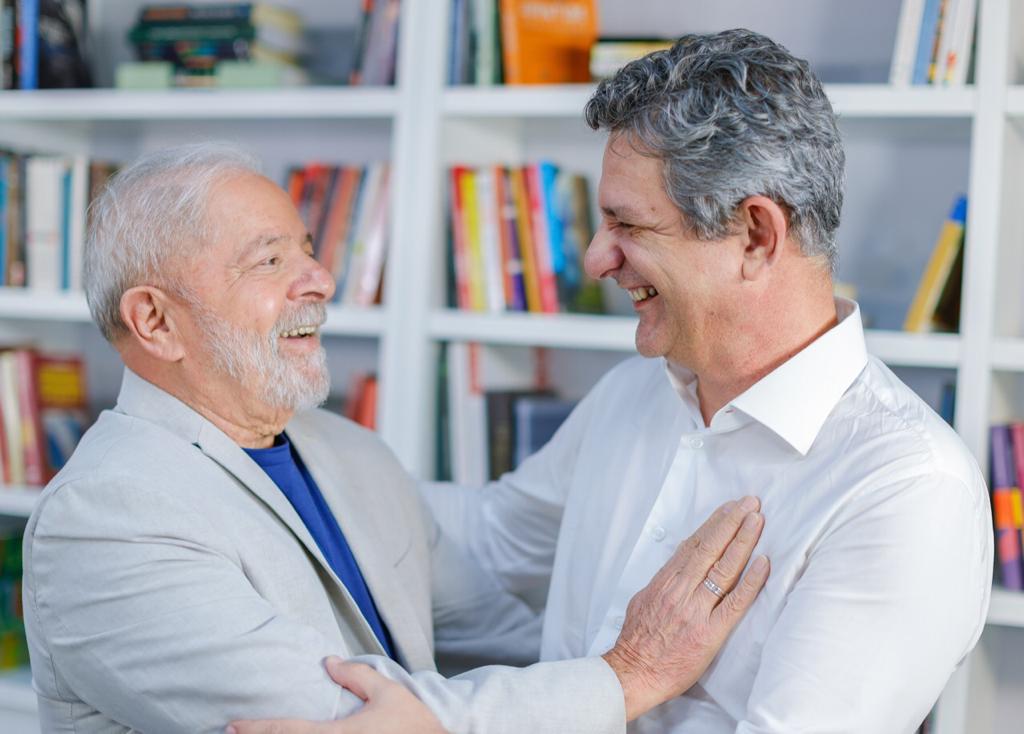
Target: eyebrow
622	212
267	240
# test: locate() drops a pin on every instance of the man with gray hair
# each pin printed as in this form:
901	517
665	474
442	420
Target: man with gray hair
213	537
720	195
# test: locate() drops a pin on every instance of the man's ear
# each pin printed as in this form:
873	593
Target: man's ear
765	230
149	315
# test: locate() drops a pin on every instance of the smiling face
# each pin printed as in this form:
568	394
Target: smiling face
682	287
257	297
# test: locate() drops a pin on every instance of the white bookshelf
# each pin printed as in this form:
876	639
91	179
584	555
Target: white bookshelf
70	105
423	127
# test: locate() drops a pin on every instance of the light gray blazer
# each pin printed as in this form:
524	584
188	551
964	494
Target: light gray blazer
171	587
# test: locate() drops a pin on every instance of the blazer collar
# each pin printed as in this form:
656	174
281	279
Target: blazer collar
142	399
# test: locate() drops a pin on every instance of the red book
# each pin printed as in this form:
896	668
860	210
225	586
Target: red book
31	418
460	243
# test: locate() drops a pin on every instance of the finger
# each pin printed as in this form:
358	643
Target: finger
698	553
728	613
725	572
360	679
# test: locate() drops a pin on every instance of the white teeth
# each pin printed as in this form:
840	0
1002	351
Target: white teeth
642	294
300	331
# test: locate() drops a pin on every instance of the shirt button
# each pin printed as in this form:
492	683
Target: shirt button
618	622
696	443
657	533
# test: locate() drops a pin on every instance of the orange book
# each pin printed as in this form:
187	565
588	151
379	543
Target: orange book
531	281
547	41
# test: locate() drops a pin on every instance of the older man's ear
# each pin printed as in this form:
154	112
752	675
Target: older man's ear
148	314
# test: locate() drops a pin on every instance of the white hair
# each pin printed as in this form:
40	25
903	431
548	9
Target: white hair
150	213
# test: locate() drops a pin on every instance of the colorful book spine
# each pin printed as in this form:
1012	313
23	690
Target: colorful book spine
940	264
1006	504
542	248
531	277
925	41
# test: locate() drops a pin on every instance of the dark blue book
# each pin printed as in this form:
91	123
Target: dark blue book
536	421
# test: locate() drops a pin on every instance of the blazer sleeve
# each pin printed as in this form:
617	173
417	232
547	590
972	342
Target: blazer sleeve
141	614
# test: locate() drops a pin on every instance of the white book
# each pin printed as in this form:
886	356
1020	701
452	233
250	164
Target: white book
375	242
467	418
490	239
901	70
12	417
44	213
946	33
360	226
79	205
962	42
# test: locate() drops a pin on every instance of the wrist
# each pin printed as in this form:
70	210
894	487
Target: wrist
636	679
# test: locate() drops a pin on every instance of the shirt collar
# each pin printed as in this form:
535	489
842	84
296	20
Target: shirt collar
796	398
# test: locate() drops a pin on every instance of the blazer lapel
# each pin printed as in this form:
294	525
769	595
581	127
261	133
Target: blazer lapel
232	459
373	552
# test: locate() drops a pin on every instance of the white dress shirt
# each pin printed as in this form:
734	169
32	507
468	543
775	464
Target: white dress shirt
877	528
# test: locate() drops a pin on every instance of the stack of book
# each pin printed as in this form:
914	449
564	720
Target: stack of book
43	44
934	43
13	646
521	41
495	410
518	235
229	44
346	210
1006	478
43	203
43	413
377	44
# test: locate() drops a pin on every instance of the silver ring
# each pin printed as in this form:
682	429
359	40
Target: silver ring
714	588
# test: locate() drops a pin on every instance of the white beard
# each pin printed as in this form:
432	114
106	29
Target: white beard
287	383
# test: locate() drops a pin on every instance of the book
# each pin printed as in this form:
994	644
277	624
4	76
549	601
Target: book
257	13
608	55
925	41
45	203
901	70
1006	503
957	60
547	41
61	30
375	64
941	29
920	315
537	418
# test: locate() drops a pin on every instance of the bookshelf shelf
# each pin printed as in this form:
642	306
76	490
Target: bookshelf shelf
1008	354
615	333
16	692
65	105
850	100
23	303
1015	101
18	501
1007	608
347	321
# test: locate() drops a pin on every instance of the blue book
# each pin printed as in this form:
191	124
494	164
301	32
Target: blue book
28	50
548	174
926	41
65	231
536	420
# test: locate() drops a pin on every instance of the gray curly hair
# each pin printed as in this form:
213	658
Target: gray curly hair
150	213
732	115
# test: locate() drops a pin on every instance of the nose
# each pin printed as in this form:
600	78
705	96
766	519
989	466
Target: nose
603	256
314	281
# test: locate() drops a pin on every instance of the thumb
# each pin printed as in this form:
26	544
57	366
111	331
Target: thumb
360	679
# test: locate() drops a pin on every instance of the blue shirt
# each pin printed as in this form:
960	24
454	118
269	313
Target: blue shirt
283	465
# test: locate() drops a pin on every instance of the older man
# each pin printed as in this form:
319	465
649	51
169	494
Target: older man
721	192
213	539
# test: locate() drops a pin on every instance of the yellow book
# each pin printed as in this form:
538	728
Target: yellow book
940	264
471	211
